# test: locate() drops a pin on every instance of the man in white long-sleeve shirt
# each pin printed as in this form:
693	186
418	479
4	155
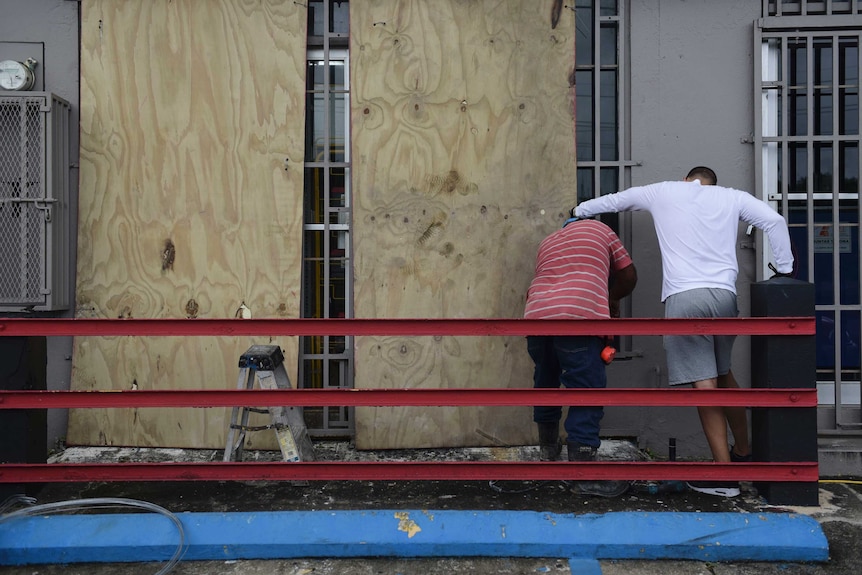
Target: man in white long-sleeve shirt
697	223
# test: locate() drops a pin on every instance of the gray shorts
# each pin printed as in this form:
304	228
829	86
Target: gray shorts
693	358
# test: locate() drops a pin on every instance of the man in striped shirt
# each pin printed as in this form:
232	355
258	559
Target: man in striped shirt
582	272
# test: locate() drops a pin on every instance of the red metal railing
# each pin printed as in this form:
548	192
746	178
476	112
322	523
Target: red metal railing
405	327
246	471
409	470
414	397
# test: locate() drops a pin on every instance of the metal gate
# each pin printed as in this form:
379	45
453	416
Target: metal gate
808	158
327	361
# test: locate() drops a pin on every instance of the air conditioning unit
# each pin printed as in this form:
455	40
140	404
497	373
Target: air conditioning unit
34	202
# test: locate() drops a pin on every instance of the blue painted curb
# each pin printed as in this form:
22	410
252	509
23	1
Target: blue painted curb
133	537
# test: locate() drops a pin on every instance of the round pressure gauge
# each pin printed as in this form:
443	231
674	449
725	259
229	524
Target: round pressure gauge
15	75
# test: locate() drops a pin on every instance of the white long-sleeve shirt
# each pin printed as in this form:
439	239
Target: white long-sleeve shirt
697	230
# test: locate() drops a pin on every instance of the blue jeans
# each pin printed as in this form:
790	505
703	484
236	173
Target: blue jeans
571	361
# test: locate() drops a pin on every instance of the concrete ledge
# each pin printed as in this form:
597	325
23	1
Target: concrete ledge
840	462
134	537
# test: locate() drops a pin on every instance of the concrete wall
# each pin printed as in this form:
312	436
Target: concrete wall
47	30
691	79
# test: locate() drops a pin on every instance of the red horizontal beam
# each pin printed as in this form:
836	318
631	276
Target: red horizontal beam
396	397
405	327
371	471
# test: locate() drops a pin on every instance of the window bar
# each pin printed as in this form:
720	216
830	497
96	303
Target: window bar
809	150
760	74
345	412
836	231
327	158
859	156
581	69
624	102
759	187
782	126
810	191
623	146
597	97
840	423
345	422
785	90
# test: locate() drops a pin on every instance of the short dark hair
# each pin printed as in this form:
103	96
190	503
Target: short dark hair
704	174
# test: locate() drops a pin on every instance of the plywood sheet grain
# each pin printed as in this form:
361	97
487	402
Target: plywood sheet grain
463	151
189	109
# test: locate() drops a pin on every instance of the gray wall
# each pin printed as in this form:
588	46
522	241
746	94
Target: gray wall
691	79
47	30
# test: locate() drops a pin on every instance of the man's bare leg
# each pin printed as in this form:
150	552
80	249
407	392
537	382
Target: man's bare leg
714	423
736	418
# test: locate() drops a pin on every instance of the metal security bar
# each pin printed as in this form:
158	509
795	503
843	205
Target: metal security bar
600	86
602	141
326	361
34	189
808	156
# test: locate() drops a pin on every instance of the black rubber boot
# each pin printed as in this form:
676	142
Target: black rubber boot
550	444
580	452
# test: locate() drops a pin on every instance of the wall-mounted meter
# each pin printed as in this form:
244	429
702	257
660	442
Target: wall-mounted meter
15	75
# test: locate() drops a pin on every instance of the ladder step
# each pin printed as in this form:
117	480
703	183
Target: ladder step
252	427
262	357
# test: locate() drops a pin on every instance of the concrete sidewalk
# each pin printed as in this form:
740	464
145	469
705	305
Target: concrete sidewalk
839	515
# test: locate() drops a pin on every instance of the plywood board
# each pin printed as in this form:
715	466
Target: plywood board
463	155
189	109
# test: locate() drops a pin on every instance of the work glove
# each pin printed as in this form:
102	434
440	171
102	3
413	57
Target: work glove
575	218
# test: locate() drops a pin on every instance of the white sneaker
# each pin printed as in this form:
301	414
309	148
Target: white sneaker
718	488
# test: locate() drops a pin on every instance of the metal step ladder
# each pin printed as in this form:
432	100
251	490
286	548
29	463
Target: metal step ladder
266	364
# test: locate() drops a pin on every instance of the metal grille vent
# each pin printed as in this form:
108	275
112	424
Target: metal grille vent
34	184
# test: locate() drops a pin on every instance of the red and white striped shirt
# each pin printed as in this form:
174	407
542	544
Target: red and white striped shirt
572	271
